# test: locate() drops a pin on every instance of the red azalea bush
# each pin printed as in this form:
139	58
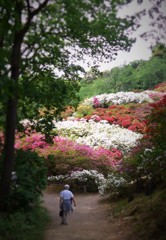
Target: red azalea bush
121	115
161	87
156	96
157	122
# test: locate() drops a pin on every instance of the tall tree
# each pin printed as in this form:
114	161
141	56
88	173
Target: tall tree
159	50
40	41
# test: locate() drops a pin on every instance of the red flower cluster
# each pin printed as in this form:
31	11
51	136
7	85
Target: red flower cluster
161	87
156	121
132	119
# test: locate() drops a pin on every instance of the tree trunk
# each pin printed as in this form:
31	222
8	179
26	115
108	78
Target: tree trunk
8	161
11	114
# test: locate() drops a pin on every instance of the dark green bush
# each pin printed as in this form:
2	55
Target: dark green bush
23	225
31	179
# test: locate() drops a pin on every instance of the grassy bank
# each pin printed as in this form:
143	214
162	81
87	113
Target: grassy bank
145	215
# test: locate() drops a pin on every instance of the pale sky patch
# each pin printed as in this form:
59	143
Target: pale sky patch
141	48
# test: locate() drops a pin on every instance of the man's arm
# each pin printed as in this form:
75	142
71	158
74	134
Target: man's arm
74	201
60	202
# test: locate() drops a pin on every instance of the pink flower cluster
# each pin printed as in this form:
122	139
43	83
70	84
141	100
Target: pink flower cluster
96	102
65	148
31	142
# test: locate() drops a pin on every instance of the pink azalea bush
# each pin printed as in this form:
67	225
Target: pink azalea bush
31	142
64	155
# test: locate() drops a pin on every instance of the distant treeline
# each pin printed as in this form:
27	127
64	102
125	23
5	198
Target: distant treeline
136	76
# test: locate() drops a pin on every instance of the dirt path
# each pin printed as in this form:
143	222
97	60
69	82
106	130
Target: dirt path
90	220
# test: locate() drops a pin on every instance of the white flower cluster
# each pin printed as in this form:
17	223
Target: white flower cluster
111	182
85	175
151	92
104	184
56	178
118	98
82	177
27	123
98	134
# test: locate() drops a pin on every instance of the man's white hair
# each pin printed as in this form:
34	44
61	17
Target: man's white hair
67	186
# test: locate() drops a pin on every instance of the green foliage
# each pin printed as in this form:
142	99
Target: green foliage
49	39
159	50
60	163
99	86
31	174
138	75
45	91
118	207
22	225
83	111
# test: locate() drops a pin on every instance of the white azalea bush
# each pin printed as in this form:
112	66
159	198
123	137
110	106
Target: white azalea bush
87	180
92	181
98	134
113	184
118	98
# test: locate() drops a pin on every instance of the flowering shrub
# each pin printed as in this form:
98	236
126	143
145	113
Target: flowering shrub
114	184
155	95
31	141
1	142
104	100
100	140
64	155
92	180
120	115
148	159
98	134
89	180
96	102
156	133
156	122
161	87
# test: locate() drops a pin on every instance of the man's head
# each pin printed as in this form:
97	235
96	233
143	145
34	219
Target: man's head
66	186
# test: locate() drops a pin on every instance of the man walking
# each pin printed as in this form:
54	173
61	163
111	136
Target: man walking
65	204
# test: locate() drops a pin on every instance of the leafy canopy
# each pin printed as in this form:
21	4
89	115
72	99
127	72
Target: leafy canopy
53	36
